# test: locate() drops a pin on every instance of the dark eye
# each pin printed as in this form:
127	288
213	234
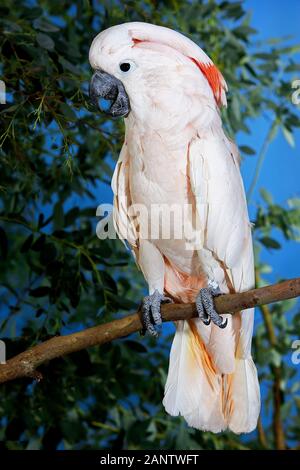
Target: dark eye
125	66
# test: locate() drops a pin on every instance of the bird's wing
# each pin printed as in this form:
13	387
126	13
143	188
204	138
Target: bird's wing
226	246
122	217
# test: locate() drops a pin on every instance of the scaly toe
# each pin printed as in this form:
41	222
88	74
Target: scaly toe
200	309
151	315
205	306
146	318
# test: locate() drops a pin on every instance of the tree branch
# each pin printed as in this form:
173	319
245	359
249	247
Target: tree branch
26	363
278	429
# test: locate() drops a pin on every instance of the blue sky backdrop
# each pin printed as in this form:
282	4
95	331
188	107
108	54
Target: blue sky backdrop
280	173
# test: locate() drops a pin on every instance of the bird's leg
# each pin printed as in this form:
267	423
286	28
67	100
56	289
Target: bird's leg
205	305
151	316
152	265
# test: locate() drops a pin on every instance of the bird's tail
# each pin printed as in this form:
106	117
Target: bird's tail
209	383
208	399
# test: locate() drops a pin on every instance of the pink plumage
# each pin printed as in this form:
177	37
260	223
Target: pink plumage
176	153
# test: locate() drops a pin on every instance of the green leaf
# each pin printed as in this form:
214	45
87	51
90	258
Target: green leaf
40	220
43	25
71	216
69	66
38	244
288	136
266	195
9	109
3	243
293	67
32	12
39	291
247	150
68	112
135	346
48	253
235	107
274	357
265	268
58	216
266	55
27	244
61	234
244	31
270	243
45	41
39	312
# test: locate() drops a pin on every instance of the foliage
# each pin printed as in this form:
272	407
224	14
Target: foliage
56	276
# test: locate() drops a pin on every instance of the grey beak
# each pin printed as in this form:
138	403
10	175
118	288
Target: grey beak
104	85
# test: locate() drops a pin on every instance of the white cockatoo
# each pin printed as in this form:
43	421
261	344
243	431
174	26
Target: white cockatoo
176	154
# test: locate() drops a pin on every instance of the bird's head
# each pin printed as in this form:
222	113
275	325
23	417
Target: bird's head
141	67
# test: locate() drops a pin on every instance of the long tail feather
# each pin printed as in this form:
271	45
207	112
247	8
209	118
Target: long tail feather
195	388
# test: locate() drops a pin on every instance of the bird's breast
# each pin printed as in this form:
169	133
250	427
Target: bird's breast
161	197
157	169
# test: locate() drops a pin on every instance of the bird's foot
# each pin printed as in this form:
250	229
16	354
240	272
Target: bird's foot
205	305
151	316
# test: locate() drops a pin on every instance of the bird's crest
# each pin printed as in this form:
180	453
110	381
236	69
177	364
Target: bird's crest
142	32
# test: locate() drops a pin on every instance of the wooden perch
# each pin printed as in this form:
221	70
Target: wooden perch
26	363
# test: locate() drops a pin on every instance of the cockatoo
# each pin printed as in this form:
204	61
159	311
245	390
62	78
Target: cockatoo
176	154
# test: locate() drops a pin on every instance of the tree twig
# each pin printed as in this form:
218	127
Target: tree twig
26	363
277	425
277	393
262	154
261	434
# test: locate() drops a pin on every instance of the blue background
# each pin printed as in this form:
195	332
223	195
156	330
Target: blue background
280	173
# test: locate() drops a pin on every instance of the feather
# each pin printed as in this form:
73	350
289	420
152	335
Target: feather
165	36
215	80
245	396
221	205
124	224
177	153
193	388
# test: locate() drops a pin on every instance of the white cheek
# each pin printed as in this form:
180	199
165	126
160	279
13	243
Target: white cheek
121	76
132	76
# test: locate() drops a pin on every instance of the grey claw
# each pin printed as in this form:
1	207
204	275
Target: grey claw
146	320
200	309
224	324
151	315
205	306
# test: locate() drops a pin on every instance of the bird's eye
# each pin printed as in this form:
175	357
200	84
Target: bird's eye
125	66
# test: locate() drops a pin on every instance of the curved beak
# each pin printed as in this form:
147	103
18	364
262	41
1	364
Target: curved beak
104	85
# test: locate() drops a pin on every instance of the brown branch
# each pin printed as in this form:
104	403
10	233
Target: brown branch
277	425
261	434
277	373
26	363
